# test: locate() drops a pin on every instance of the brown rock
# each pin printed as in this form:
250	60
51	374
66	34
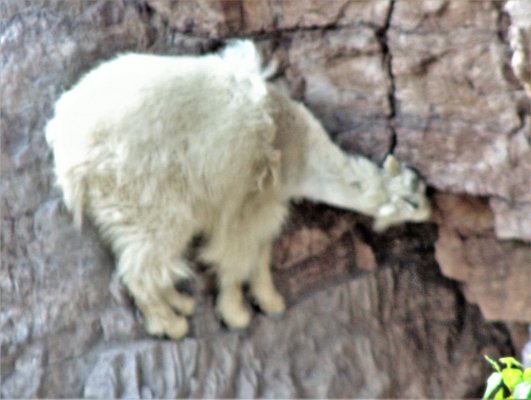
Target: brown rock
365	258
370	315
512	220
203	17
221	18
315	251
461	118
520	40
468	216
300	245
344	82
291	14
309	14
500	279
496	275
442	16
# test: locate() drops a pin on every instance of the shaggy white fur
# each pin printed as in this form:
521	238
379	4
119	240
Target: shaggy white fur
159	149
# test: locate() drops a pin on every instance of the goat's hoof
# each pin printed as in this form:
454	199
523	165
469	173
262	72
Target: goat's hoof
175	327
182	303
235	320
188	308
272	305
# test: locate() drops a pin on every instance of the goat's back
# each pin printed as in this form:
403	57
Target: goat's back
148	132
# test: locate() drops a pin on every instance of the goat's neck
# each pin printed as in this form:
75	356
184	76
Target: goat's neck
333	177
315	168
310	159
324	164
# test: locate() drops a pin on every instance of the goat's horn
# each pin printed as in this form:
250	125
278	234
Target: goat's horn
391	165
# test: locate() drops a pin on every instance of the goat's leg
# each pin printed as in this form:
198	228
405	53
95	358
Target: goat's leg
148	272
159	318
233	259
230	305
182	303
262	289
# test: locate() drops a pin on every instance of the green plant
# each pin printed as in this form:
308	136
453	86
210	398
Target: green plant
509	381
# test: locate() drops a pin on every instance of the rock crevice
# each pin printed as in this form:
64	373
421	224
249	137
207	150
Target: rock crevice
444	84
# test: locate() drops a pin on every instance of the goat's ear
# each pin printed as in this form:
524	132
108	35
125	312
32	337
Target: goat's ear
391	165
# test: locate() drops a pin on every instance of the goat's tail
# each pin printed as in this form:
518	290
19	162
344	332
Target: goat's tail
244	56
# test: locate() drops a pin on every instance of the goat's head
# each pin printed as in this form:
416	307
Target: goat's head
407	199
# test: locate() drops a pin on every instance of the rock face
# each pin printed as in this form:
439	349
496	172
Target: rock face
462	116
468	251
445	84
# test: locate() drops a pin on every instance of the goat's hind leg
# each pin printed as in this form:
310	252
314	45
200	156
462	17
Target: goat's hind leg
262	289
148	273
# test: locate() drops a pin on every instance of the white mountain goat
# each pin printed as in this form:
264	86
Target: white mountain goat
158	149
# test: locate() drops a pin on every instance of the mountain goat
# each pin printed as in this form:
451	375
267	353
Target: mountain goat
159	149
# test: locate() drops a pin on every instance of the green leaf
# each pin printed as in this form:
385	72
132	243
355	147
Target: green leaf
493	363
511	377
526	376
510	362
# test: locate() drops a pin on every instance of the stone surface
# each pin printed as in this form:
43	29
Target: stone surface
520	39
228	18
345	353
495	274
370	315
344	81
462	117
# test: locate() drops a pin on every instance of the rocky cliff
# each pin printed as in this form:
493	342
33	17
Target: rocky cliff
445	85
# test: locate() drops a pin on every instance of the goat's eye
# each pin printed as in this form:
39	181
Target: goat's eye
412	203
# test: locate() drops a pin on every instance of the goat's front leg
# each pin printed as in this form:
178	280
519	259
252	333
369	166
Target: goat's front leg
230	305
233	259
262	288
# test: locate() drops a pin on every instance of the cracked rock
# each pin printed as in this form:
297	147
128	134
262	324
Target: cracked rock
370	315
